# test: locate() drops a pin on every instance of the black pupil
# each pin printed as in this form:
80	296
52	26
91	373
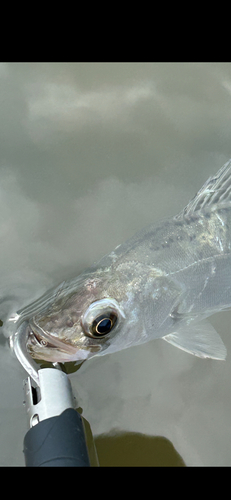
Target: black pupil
104	326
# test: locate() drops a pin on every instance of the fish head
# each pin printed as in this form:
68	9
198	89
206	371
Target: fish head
100	312
82	322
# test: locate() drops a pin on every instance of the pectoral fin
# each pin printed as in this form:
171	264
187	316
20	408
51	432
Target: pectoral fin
200	339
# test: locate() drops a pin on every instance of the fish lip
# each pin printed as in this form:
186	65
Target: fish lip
46	340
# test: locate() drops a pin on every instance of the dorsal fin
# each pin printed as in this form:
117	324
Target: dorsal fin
216	190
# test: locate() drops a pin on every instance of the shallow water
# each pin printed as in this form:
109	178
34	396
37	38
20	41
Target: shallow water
90	153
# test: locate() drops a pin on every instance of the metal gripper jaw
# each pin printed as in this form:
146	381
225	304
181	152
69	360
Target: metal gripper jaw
47	391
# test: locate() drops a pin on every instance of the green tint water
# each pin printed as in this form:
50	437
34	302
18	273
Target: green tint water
130	449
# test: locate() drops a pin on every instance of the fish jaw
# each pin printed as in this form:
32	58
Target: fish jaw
46	347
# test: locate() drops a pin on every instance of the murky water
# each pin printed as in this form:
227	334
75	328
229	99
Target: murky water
90	153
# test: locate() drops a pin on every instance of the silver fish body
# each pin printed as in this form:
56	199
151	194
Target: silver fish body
161	283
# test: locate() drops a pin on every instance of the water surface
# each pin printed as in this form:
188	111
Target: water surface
89	154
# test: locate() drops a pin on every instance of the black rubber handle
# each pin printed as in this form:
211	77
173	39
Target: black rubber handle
57	442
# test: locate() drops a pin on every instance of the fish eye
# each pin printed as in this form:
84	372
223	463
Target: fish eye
101	317
103	324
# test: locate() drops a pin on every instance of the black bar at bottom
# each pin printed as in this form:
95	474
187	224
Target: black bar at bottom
57	442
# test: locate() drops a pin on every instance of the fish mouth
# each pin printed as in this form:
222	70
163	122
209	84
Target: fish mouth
47	347
39	337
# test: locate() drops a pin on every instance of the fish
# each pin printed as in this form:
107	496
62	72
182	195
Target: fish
163	282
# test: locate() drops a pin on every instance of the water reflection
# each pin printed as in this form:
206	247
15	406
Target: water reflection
90	154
